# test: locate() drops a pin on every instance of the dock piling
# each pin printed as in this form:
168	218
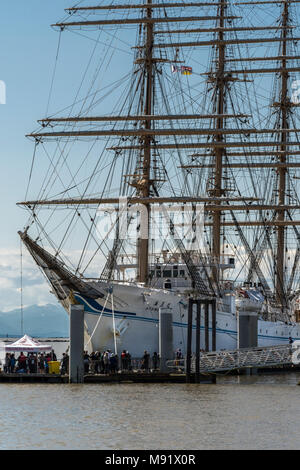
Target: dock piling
76	369
166	350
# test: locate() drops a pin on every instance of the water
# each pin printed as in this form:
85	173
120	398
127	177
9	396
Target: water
260	412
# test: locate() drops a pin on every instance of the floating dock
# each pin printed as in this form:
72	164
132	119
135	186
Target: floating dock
133	377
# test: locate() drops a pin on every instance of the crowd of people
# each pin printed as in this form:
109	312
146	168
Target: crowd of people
105	362
28	363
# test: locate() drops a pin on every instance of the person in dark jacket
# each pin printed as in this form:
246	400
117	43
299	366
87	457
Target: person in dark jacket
145	363
155	360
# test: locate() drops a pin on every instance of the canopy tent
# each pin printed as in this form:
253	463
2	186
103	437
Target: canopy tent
28	344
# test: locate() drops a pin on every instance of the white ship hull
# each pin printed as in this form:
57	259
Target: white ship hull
131	322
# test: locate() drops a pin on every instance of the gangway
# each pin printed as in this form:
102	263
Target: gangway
225	361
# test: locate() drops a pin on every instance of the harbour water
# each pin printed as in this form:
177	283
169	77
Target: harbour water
258	412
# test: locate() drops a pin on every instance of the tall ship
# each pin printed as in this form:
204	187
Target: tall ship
173	174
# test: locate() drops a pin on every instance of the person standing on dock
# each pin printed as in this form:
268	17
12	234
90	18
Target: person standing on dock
86	361
129	365
124	360
22	363
106	362
145	364
12	363
32	363
41	362
155	360
7	363
64	368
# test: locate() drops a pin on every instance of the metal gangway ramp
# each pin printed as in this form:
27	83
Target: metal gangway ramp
225	361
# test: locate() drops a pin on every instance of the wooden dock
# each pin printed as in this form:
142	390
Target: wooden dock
132	377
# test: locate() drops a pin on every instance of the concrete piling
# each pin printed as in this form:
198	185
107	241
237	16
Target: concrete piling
247	333
76	369
166	350
247	329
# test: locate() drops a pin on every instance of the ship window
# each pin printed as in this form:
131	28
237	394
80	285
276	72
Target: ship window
182	273
167	273
175	272
231	260
168	285
266	331
260	331
158	273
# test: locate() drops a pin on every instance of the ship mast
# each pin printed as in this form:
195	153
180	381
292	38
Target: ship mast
282	172
219	151
143	188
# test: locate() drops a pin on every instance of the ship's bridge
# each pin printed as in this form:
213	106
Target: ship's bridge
168	271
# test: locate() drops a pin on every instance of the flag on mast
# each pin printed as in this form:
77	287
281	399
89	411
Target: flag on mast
186	70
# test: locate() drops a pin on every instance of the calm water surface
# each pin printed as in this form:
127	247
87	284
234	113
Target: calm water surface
261	412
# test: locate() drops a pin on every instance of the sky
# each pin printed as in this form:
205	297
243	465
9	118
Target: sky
27	54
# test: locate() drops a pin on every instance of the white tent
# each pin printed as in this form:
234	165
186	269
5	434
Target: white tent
28	344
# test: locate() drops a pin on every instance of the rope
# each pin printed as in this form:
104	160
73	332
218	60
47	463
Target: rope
31	170
97	324
54	72
21	288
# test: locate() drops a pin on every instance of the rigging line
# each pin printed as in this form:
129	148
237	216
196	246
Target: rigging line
31	170
101	62
115	84
50	241
62	151
111	172
93	223
54	72
98	321
103	43
78	91
116	155
21	287
54	171
172	125
83	102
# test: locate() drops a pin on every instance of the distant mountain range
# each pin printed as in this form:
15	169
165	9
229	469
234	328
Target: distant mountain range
42	321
